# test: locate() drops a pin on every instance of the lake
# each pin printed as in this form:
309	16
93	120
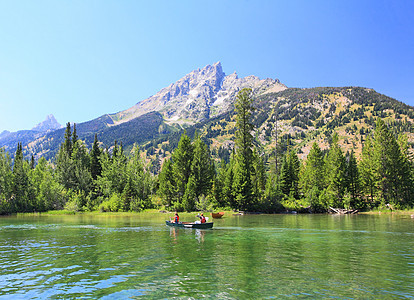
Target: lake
242	257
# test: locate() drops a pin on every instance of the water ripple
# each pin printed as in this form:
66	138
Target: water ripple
235	260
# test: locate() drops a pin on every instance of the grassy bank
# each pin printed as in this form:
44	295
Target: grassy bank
389	211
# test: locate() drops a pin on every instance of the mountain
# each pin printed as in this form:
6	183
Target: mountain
203	102
49	124
9	140
200	95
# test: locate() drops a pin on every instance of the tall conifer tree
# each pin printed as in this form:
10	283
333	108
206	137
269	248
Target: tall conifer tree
74	135
21	188
335	168
353	179
6	182
392	169
312	180
202	168
96	167
68	139
367	170
243	168
167	188
182	161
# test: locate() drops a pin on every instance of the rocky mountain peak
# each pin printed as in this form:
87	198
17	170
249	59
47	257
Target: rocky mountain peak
199	95
50	123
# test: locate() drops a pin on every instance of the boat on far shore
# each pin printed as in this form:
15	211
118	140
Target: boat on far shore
193	225
217	215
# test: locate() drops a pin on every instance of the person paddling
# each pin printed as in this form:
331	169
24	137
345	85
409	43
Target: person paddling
202	218
176	218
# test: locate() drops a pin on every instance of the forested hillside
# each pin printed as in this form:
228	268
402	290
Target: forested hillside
300	149
137	131
298	117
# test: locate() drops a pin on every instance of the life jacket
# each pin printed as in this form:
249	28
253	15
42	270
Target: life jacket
203	219
176	219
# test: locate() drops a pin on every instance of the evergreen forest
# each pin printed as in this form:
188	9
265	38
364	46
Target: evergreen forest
111	179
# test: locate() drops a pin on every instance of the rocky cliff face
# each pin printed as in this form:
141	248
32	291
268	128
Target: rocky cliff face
199	95
49	124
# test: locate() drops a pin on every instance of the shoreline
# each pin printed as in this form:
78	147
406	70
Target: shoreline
167	213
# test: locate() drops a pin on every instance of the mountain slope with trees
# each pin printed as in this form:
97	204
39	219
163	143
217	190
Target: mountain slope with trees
203	101
269	149
111	180
298	117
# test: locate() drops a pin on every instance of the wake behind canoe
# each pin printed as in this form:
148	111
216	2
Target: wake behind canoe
190	225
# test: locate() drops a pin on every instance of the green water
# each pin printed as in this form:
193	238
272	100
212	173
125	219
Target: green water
243	257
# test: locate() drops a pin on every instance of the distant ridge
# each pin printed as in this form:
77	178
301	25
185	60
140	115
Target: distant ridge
9	140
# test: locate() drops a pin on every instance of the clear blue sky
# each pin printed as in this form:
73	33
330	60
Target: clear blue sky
81	59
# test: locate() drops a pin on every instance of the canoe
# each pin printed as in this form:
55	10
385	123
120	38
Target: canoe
190	225
217	215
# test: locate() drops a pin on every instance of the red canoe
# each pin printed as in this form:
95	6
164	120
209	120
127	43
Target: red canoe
217	215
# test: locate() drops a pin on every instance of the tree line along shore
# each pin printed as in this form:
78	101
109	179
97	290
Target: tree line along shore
78	179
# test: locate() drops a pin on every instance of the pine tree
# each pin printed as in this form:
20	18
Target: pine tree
273	194
407	170
190	195
115	150
113	176
80	160
218	187
202	168
182	161
128	194
312	180
32	162
335	168
95	164
139	183
167	185
353	179
74	135
284	178
65	169
243	167
6	182
313	169
294	167
391	167
228	192
68	139
156	165
48	192
22	190
18	157
258	177
289	174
